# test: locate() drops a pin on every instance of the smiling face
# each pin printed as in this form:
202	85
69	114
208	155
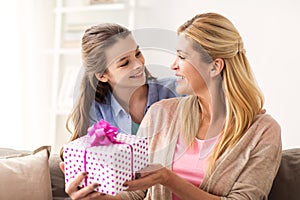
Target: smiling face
192	73
125	67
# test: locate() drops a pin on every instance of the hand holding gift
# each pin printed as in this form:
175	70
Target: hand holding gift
109	157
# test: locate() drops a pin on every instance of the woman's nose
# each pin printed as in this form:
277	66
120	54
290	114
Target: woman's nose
174	65
138	63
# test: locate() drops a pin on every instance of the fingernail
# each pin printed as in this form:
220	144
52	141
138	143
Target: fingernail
137	175
125	185
84	173
95	185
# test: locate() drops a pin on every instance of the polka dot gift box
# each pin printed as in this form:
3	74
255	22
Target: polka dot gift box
109	157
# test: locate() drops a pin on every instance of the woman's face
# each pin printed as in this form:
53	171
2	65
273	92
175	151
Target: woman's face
192	73
125	67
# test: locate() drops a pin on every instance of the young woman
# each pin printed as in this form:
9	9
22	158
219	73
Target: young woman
215	144
116	86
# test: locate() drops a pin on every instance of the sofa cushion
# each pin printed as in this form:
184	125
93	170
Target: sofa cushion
26	175
6	152
287	182
57	178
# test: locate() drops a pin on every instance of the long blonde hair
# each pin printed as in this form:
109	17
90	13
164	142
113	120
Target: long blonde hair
219	38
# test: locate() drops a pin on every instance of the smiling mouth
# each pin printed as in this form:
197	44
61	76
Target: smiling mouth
139	75
180	77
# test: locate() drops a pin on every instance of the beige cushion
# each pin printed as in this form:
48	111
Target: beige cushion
25	175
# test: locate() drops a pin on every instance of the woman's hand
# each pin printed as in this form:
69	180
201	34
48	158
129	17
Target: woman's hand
149	176
75	192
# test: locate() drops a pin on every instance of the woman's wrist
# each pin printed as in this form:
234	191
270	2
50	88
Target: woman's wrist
117	197
166	177
109	197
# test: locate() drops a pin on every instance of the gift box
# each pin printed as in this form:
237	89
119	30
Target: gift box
109	157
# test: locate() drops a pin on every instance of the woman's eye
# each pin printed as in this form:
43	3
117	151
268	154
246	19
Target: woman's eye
126	63
181	57
138	54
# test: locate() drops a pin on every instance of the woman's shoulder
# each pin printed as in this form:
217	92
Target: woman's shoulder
265	121
166	104
161	113
266	128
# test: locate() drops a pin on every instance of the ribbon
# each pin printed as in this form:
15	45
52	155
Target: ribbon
104	134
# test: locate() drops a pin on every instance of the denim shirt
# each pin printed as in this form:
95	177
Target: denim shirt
114	113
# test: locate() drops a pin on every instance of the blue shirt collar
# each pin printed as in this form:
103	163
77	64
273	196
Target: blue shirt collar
152	98
115	105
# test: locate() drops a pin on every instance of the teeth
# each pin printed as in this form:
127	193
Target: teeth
137	75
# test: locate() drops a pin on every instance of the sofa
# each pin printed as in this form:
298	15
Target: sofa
41	177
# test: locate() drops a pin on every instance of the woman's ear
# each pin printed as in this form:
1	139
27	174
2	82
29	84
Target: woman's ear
217	67
101	77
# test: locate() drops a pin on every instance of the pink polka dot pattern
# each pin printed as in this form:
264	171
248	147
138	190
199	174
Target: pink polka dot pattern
140	149
110	165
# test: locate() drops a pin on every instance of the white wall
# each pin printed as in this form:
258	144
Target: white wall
10	84
271	33
269	29
26	34
36	38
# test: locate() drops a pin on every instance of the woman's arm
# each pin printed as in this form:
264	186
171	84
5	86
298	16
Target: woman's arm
157	174
256	178
246	172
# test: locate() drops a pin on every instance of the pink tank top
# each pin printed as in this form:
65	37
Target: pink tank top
191	163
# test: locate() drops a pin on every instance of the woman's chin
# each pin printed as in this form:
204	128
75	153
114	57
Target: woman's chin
184	90
137	82
179	90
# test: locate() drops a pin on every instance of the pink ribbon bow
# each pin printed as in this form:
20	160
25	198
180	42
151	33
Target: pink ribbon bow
102	133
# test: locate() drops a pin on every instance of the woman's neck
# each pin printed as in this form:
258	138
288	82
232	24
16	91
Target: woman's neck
213	115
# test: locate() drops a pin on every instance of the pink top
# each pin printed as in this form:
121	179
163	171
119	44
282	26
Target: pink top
191	163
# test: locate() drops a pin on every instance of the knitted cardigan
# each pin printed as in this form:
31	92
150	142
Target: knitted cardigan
245	171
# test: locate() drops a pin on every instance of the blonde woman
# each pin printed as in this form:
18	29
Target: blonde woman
215	144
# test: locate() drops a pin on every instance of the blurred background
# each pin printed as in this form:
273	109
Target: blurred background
40	57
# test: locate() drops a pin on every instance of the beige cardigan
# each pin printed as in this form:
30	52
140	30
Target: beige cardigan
244	172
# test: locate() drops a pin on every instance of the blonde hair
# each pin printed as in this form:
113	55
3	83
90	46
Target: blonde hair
218	38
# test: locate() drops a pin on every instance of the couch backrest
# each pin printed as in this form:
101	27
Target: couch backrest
286	185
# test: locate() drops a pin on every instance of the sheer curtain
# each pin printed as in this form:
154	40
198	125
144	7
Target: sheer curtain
10	83
26	37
